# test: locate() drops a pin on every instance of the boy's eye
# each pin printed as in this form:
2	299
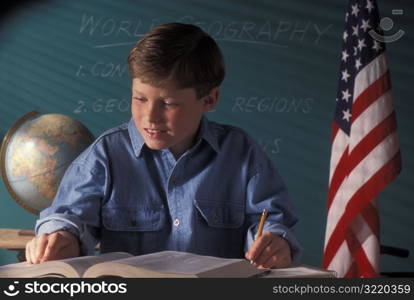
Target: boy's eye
170	103
140	99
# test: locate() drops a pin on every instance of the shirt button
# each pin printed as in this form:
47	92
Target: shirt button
173	181
176	222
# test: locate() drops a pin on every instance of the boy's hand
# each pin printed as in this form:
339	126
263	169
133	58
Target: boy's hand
270	251
57	245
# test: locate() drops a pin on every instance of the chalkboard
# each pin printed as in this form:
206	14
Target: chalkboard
282	60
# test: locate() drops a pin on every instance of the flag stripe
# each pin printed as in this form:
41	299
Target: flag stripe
339	145
368	240
370	215
370	141
359	176
368	191
341	171
370	95
370	73
342	260
362	261
353	271
367	121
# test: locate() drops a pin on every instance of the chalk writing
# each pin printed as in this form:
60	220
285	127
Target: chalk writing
272	104
267	32
270	146
103	69
103	106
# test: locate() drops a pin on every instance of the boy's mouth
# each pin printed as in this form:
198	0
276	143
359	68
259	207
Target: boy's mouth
154	133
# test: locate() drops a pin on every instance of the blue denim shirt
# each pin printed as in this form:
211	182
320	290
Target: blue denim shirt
131	198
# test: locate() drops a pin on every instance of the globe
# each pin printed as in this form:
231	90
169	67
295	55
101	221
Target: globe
35	153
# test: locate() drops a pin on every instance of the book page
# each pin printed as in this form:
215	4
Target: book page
26	270
82	263
69	267
300	271
179	263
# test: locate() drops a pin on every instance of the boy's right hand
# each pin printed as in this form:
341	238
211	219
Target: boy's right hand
57	245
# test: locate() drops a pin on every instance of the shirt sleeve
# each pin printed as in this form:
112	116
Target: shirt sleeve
76	206
266	190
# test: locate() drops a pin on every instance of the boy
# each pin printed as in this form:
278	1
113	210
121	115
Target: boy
170	179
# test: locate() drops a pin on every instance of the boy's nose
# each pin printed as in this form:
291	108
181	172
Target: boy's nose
154	113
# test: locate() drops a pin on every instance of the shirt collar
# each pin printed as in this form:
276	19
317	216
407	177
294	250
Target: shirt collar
136	138
206	132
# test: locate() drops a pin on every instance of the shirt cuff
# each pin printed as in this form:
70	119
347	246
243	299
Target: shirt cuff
280	230
57	222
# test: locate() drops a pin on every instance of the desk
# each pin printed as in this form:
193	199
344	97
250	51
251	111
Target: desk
16	239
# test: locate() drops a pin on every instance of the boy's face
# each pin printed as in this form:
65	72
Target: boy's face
168	117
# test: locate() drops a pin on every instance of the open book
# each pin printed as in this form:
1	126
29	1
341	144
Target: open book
155	265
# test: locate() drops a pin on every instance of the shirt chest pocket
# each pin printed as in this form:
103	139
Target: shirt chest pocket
220	214
122	218
219	228
137	230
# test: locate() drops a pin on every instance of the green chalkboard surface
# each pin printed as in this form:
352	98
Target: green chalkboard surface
282	60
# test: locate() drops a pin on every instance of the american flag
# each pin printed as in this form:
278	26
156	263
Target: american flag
365	154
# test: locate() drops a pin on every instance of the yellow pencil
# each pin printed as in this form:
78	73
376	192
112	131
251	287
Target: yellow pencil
261	224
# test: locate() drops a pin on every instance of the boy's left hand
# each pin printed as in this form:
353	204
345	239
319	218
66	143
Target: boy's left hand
270	251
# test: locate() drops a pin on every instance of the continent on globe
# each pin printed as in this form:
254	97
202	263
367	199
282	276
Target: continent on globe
35	154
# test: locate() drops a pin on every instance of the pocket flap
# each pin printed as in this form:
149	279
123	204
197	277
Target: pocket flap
221	214
142	218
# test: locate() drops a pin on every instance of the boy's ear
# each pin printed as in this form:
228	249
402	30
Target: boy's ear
211	100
